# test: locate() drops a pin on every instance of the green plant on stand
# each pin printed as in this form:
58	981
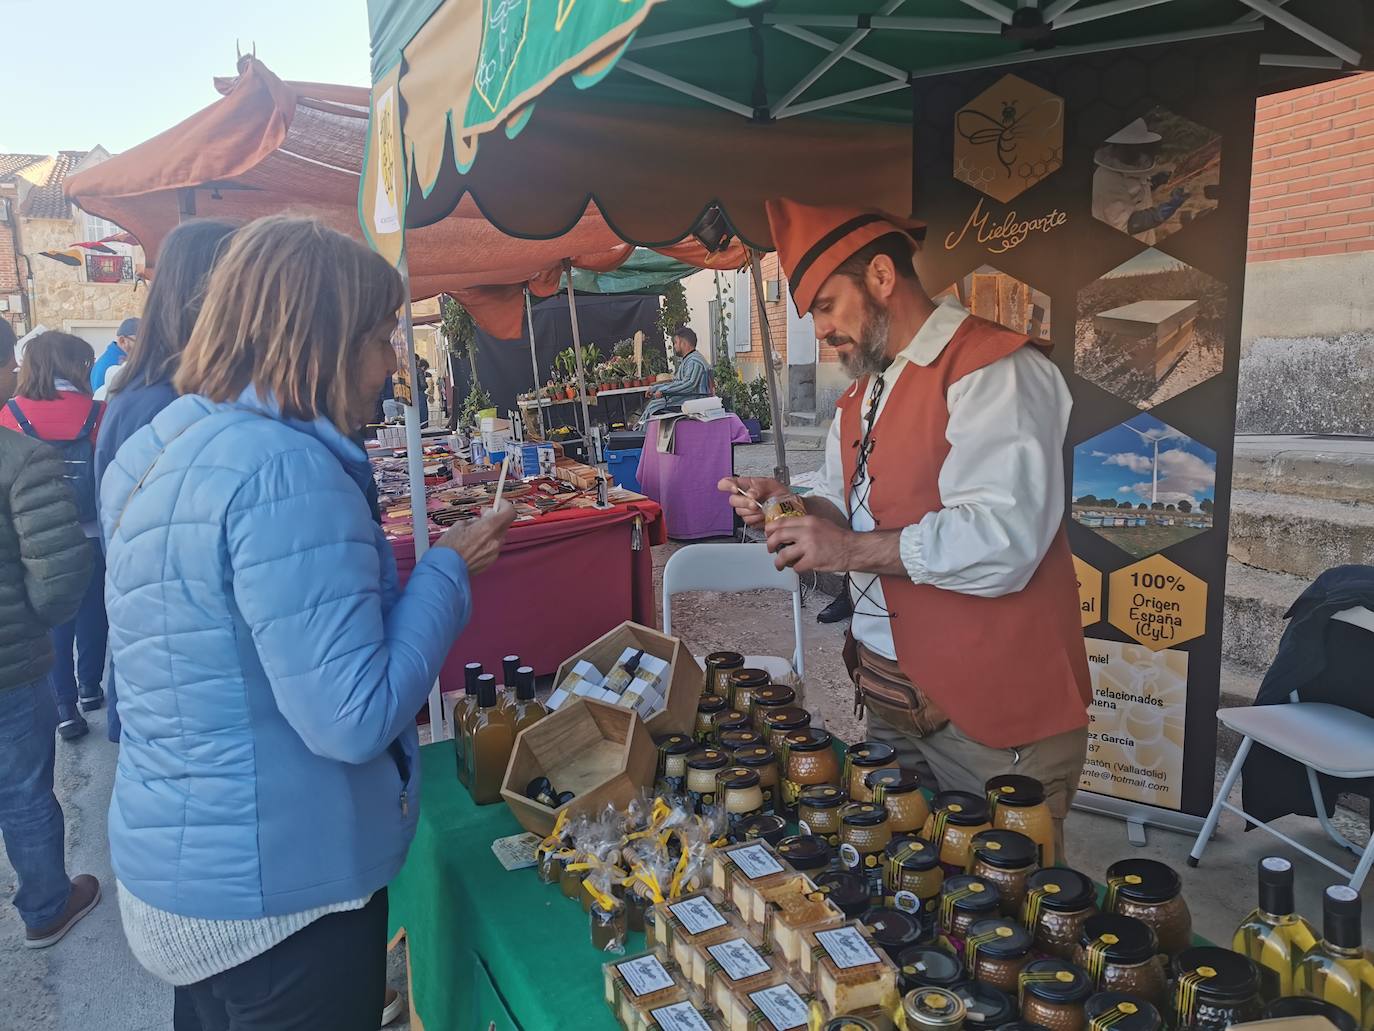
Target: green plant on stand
477	400
674	313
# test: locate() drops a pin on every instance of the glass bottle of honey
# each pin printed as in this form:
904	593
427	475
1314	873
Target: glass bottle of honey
491	738
1274	936
1338	969
462	714
528	710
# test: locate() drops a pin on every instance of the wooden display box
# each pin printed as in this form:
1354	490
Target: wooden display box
602	753
686	680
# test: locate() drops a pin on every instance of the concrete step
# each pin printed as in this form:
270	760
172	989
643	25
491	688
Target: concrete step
1310	466
800	418
805	438
1256	600
1300	535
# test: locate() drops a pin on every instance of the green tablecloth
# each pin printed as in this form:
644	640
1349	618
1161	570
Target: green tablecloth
488	947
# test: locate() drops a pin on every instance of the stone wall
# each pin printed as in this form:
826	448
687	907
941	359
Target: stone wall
61	293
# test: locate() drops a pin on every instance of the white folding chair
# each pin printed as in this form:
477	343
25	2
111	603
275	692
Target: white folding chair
1327	739
731	568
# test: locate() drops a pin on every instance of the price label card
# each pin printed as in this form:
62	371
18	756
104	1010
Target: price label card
517	851
645	975
755	862
697	914
738	959
682	1016
783	1007
847	947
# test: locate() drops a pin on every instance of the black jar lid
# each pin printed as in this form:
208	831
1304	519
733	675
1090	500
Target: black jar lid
999	937
707	759
1062	889
1013	789
771	828
1295	1006
732	719
970	894
1143	880
1056	981
788	717
774	695
987	1007
892	780
1124	940
821	796
864	814
1121	1011
806	852
893	929
808	739
754	755
724	660
963	808
734	740
1006	850
712	703
1219	975
870	753
928	966
847	890
676	744
912	854
738	778
749	677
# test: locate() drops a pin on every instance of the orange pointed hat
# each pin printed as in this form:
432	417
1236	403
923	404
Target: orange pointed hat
814	241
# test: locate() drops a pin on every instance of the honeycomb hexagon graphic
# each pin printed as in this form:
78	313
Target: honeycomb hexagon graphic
1008	138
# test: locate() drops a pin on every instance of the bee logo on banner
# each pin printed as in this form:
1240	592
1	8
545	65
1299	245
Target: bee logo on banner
382	195
1008	138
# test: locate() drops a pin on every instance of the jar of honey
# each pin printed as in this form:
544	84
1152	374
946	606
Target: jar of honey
733	740
912	876
1053	994
742	683
900	791
1121	954
738	789
719	666
807	854
766	827
964	900
702	767
862	759
864	836
818	811
894	931
1017	803
933	1009
778	723
1153	893
928	966
763	761
710	706
1214	989
774	696
1058	902
673	750
807	757
732	719
1006	858
955	818
846	890
995	953
1117	1011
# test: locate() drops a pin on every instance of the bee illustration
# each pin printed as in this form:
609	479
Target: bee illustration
980	128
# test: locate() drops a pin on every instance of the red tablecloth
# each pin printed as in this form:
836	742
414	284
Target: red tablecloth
561	582
684	482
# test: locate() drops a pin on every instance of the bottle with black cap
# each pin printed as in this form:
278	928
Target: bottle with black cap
506	697
528	709
1338	969
1274	936
462	718
490	746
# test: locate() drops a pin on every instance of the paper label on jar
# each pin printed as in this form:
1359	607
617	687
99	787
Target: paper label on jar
755	862
738	959
803	827
850	855
847	947
681	1016
907	902
644	975
697	915
783	1007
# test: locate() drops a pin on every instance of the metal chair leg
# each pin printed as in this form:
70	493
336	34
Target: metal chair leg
1208	828
1319	805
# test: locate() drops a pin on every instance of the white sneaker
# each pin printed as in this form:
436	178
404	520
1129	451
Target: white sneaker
394	1007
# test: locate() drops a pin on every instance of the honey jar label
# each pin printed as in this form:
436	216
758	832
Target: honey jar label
697	915
906	901
644	975
1097	956
803	827
737	959
754	861
1038	977
1035	898
681	1016
950	898
847	947
781	1006
1112	1017
977	941
1185	994
850	856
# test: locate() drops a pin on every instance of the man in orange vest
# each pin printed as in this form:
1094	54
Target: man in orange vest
944	502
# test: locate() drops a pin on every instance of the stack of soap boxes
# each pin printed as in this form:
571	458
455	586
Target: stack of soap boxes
638	681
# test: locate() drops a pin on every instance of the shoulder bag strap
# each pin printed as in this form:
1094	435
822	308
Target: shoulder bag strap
89	424
22	419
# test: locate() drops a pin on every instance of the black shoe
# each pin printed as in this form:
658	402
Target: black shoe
71	724
90	698
837	611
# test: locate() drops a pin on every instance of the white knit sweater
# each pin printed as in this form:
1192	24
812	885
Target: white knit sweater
182	950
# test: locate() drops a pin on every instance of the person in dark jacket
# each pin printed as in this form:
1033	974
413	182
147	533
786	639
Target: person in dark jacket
45	564
145	383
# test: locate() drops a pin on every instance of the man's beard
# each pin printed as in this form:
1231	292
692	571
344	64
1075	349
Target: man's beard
868	357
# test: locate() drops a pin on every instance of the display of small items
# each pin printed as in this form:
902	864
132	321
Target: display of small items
637	681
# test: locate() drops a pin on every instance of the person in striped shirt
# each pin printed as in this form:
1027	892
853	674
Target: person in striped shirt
693	378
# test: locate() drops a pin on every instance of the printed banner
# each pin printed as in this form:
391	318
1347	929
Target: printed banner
381	197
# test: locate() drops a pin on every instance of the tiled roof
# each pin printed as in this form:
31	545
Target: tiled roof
45	200
12	164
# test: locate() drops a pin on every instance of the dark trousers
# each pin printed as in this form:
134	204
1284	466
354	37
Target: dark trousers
83	664
328	976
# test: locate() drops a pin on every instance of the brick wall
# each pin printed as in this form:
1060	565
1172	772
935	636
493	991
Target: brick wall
11	282
1312	190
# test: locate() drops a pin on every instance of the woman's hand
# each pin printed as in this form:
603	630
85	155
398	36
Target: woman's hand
479	542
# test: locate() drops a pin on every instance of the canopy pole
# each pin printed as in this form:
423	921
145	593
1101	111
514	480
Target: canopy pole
415	465
780	472
581	373
534	364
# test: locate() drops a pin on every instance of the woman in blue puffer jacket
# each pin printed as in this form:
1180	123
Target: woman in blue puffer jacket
269	667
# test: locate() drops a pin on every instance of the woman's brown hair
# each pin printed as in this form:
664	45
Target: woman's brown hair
50	357
287	311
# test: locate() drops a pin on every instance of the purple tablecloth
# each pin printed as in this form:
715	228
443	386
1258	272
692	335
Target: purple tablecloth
684	482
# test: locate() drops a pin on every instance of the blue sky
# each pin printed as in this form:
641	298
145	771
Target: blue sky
82	72
1117	464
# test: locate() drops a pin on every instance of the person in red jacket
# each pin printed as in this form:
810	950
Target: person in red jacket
54	404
